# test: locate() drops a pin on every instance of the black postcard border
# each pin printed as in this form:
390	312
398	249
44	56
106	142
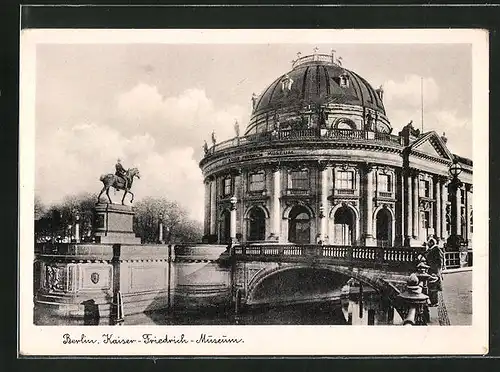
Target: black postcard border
185	16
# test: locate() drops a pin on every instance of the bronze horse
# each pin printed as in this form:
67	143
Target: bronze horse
111	180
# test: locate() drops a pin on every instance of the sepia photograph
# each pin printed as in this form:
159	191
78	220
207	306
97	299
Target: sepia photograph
184	179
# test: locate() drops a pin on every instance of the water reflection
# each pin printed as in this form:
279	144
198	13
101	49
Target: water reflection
358	305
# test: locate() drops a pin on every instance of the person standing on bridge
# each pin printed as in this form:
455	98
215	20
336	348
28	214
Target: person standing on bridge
435	259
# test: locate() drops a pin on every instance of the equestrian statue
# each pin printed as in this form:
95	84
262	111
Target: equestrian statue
121	180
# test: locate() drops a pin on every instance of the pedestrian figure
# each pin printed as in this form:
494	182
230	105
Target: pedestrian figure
435	259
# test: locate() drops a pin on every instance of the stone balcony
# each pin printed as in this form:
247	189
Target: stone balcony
314	134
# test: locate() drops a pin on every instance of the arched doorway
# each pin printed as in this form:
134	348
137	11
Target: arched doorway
384	224
256	224
344	232
225	227
299	225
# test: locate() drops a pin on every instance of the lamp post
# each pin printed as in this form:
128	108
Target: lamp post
77	227
160	228
454	170
322	224
232	234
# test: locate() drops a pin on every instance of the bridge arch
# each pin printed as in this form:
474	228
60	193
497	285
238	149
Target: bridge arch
387	290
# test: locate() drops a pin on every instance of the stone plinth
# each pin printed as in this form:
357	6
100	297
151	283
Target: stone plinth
114	224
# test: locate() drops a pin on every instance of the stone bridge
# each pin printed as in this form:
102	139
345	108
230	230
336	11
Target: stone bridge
283	274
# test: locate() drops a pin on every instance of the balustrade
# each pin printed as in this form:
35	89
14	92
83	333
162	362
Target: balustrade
385	194
344	191
312	133
339	254
346	133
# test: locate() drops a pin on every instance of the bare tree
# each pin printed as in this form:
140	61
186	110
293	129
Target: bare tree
177	225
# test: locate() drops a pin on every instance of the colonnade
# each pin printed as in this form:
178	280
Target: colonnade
409	215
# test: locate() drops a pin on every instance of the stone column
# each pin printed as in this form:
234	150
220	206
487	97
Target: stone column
213	206
232	230
160	232
432	207
408	206
206	224
444	201
276	207
77	229
369	240
468	196
459	211
438	209
415	232
324	202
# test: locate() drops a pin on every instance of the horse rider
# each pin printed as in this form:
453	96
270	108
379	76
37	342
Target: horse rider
120	172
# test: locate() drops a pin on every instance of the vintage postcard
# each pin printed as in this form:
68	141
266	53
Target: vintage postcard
253	192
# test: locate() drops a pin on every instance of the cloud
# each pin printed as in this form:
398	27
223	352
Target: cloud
402	103
187	118
458	129
160	135
408	91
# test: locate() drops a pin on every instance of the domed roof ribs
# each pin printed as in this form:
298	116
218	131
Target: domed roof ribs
374	97
303	93
359	89
274	87
327	79
367	85
273	84
318	83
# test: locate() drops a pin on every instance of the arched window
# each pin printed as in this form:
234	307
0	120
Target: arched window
345	124
256	224
344	232
299	228
384	227
225	227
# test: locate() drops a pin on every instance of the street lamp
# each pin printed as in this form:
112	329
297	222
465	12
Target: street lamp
233	202
232	226
455	169
77	226
160	233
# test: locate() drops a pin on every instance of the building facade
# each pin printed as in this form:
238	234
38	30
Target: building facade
318	163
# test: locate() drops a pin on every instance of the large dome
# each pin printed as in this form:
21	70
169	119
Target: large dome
317	80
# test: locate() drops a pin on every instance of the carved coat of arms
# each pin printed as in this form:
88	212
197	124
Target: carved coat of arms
94	278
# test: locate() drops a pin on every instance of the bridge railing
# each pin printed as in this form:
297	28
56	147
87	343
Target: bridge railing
341	254
455	260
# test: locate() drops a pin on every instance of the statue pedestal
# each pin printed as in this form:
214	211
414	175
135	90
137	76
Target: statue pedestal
114	224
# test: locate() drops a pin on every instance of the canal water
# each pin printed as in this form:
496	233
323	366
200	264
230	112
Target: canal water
357	306
303	314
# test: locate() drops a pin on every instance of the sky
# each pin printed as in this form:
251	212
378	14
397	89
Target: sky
153	105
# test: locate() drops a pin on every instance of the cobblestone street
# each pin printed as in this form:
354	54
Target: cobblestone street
457	296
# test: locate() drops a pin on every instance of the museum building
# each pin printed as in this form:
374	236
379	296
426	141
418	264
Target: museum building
319	164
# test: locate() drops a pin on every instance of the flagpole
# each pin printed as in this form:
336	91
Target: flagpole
422	101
